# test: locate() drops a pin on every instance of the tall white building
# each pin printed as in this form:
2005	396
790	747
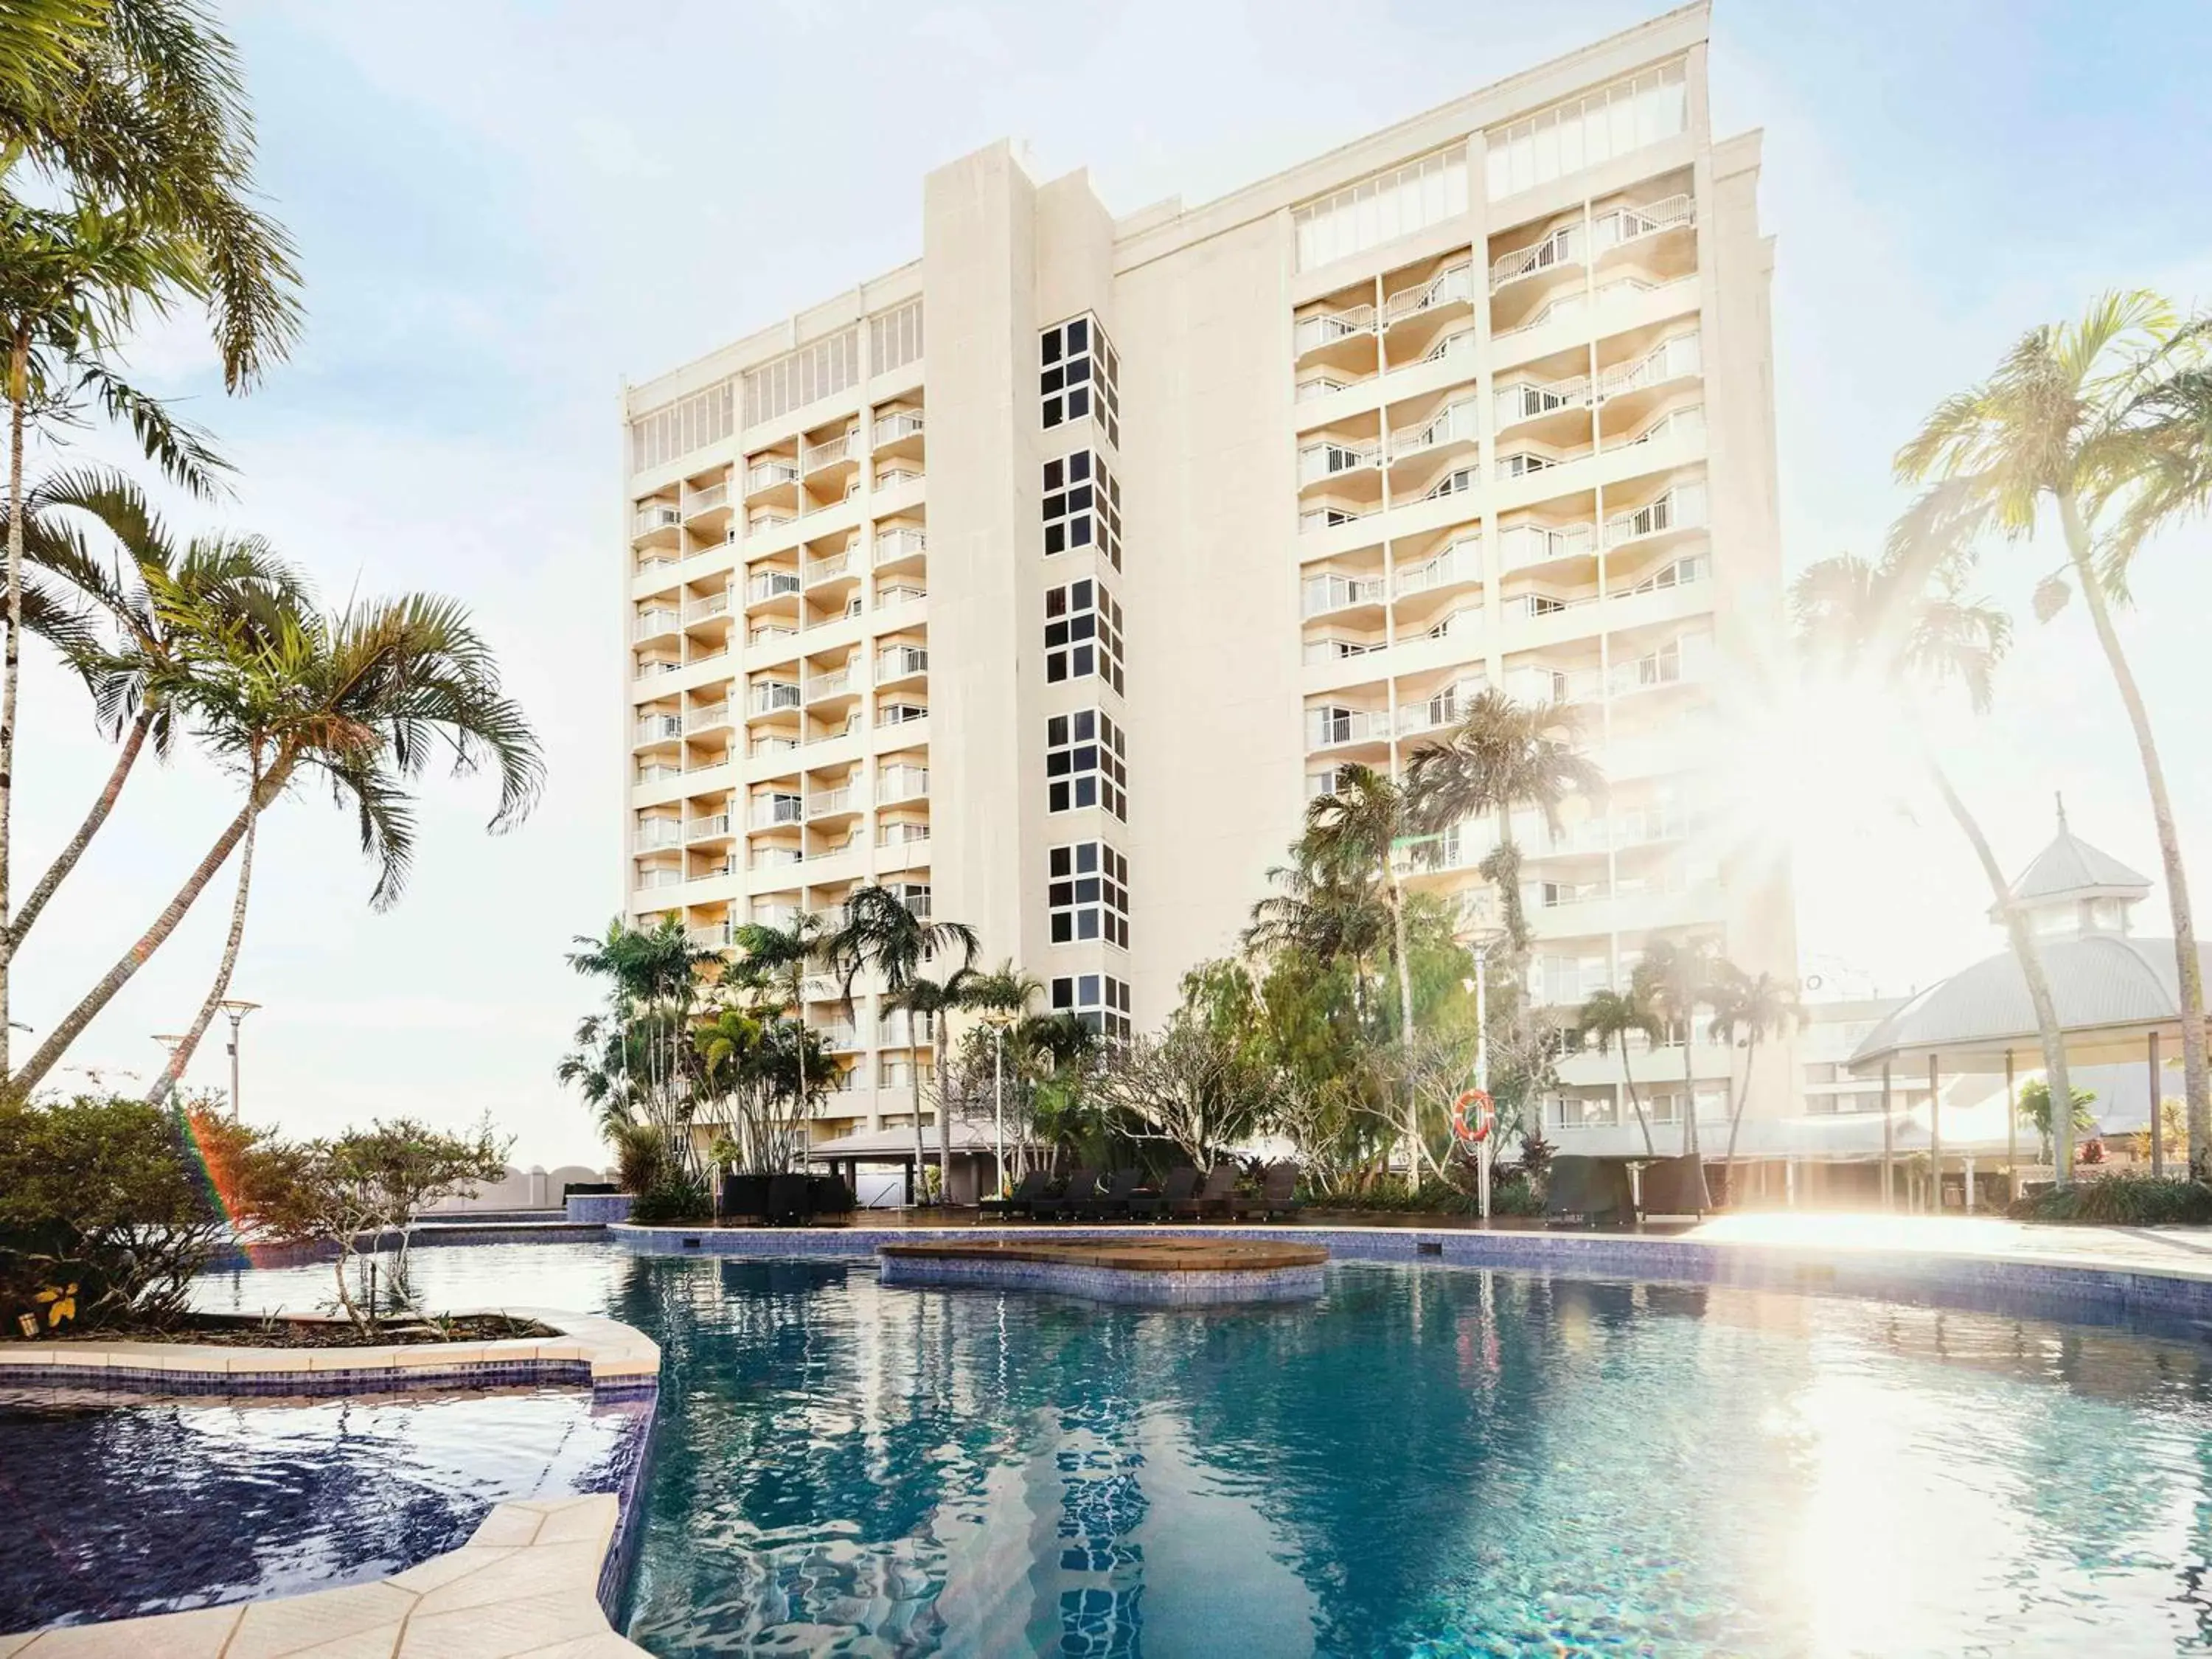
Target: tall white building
1046	577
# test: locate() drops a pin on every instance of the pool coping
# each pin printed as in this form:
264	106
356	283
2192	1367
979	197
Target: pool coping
526	1582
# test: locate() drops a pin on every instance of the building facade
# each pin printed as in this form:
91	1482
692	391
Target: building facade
1047	578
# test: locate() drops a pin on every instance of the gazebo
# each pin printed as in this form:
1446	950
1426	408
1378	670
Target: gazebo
972	1156
2117	1000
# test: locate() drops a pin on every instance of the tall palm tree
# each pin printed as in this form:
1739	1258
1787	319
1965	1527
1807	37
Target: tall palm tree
652	986
1904	627
371	696
2062	425
777	958
1613	1017
1754	1006
881	932
1321	914
1673	978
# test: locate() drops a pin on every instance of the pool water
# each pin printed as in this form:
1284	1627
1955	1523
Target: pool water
1430	1460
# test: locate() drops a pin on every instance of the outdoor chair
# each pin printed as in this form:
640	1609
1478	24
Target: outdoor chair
1586	1191
744	1195
1082	1187
1178	1189
787	1199
1113	1201
1670	1188
1023	1200
1279	1192
1217	1197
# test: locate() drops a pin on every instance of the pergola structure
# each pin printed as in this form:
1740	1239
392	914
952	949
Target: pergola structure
2117	998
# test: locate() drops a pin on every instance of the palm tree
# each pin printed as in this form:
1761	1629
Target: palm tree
1610	1017
881	931
1755	1006
370	696
777	959
1673	978
1322	915
1902	623
2068	419
652	985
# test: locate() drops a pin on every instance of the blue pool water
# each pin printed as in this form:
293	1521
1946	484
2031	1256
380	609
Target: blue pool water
1430	1462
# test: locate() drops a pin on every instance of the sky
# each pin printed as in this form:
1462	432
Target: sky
503	210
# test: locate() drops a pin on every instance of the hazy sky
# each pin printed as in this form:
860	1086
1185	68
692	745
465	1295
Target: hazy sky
503	210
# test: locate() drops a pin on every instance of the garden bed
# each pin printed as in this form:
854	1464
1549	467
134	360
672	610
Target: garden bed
247	1331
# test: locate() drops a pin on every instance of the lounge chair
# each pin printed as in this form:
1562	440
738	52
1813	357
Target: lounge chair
744	1195
787	1199
1178	1189
1113	1201
1278	1193
1670	1188
1082	1187
1023	1200
1586	1191
1217	1197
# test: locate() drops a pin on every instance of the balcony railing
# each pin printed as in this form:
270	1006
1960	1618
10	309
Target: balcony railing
1309	333
656	515
710	828
1562	246
773	812
715	605
843	728
1328	728
1459	422
900	834
658	620
658	772
1330	456
899	594
1531	607
832	803
1682	508
1451	286
901	661
1670	360
825	568
812	458
897	783
768	632
706	501
650	878
900	544
1318	594
761	748
707	716
1338	649
660	728
897	424
768	474
1462	562
771	584
1628	224
1675	423
771	696
1328	517
1529	400
654	835
836	682
1460	342
901	713
890	477
1527	544
1320	386
712	936
1446	708
759	524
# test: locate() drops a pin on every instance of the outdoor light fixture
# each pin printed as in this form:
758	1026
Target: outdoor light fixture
237	1010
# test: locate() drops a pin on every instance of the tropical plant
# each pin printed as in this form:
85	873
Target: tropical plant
363	699
1673	978
2173	1134
1754	1007
881	932
1193	1086
1882	629
2035	1098
1610	1018
636	1060
2073	421
772	962
759	1080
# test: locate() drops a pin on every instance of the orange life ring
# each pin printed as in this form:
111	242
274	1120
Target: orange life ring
1485	1115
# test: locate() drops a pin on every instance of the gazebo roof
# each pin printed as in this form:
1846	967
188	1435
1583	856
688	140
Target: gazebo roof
2071	868
2112	991
896	1145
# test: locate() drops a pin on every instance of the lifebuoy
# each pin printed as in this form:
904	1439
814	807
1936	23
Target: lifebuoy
1484	1114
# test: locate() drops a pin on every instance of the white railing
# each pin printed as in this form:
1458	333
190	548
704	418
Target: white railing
1460	342
1679	572
1682	508
772	812
897	424
767	475
890	477
831	802
659	878
900	834
708	828
771	584
656	515
707	715
1327	728
898	783
656	561
822	569
1527	544
1525	400
1328	517
1320	386
1330	456
769	633
771	696
1628	224
1520	462
658	620
901	713
707	500
715	605
812	458
1683	422
900	661
1462	562
759	524
1335	592
1458	482
834	683
1670	360
1459	422
900	544
842	1038
653	835
660	728
899	594
713	936
1678	662
1562	246
1449	286
1446	708
1531	607
1338	650
713	653
761	746
773	858
1327	328
658	772
844	728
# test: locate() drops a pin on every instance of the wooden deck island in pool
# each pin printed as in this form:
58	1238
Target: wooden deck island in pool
1162	1272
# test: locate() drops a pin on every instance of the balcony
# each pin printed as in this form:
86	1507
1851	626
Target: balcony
838	1038
770	636
763	585
839	803
1452	286
1531	400
659	519
1620	226
1561	248
829	686
711	936
655	623
1328	328
1458	343
1332	458
659	728
1336	648
773	858
774	812
658	771
1682	508
705	503
901	834
895	426
1685	422
1334	514
1447	708
1522	545
767	747
893	546
656	834
1459	422
771	697
706	610
895	784
767	523
1450	567
901	662
707	717
647	880
772	473
713	827
818	458
1338	728
833	568
889	594
1320	595
1676	359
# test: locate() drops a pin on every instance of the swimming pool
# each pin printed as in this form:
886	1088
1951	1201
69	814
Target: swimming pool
1429	1460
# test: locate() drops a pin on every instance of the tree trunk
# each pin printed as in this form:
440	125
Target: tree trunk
913	1081
1405	1025
1635	1104
1735	1111
11	654
943	1113
2189	968
134	740
72	1024
182	1055
1691	1149
2031	968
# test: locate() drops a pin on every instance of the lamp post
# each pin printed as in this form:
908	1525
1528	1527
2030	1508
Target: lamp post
238	1011
997	1021
1479	949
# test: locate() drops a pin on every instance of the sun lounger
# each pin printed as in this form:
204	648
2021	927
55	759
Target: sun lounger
1112	1202
1023	1200
1217	1197
1082	1188
1179	1187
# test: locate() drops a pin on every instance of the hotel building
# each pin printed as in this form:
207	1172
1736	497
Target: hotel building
1046	578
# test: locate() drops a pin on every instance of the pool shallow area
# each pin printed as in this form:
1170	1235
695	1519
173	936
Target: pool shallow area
1427	1460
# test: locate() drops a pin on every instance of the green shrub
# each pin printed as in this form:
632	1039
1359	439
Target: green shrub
677	1196
2131	1200
642	1158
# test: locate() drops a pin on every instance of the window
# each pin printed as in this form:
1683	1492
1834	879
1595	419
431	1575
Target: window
1586	130
1089	894
1082	507
895	337
1080	375
687	424
802	377
1380	208
1082	633
1099	1001
1084	763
